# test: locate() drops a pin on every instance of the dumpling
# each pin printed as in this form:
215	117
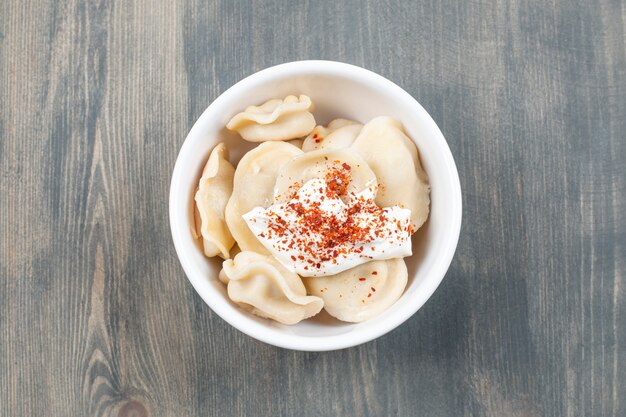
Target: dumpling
275	120
340	133
343	169
395	160
362	292
315	139
253	186
214	190
261	285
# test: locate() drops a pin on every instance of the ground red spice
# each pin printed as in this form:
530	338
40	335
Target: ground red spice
337	180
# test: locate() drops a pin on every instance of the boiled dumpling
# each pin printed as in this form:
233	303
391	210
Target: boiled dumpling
395	160
214	190
340	133
254	181
329	164
261	285
362	292
275	120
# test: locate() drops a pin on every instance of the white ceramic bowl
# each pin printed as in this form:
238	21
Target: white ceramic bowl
338	90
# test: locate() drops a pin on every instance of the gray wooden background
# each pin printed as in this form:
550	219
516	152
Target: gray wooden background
97	317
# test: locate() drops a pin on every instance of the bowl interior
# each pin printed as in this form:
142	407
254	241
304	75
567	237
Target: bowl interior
337	90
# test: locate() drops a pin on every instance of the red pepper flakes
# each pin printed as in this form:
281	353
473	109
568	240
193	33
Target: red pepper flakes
346	166
337	181
373	289
314	135
361	279
369	295
374	272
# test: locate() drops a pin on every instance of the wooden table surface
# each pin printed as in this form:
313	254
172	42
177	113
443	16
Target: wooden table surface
97	317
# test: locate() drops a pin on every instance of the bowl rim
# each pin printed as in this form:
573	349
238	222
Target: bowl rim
221	306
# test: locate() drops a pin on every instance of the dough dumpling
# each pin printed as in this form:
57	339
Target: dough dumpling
340	133
261	285
395	160
362	292
253	186
324	164
214	190
275	119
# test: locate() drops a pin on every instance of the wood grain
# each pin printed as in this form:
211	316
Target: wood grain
96	316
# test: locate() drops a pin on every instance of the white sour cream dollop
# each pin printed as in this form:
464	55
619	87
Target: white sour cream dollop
316	233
